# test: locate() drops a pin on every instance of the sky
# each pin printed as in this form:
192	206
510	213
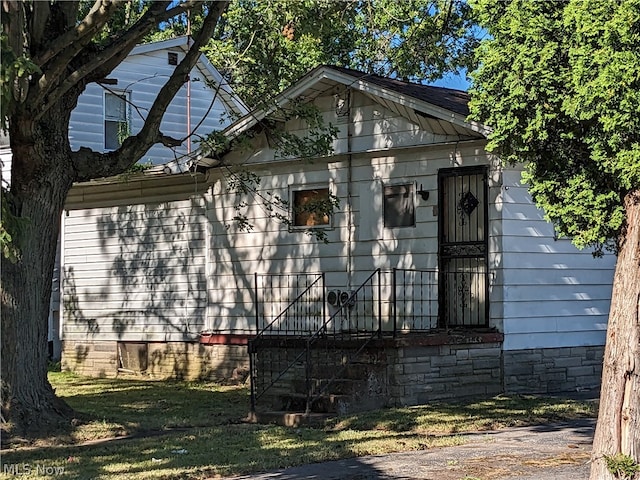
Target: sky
456	81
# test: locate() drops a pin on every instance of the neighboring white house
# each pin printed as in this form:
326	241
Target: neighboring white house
107	112
157	273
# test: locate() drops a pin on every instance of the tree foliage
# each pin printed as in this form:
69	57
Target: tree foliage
264	46
559	83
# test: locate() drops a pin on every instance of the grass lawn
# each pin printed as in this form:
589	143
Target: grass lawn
194	430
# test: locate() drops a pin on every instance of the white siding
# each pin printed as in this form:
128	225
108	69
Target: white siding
144	276
143	75
374	128
5	160
554	294
135	272
359	246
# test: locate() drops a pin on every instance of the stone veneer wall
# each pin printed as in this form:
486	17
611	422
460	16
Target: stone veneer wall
409	370
551	370
165	360
420	374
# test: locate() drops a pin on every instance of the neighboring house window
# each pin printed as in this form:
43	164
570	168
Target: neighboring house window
399	205
116	119
309	207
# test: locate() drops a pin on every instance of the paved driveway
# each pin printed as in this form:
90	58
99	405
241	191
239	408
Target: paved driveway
549	452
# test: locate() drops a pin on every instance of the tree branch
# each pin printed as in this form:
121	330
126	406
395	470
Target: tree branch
90	164
95	65
13	24
38	21
132	36
70	11
67	45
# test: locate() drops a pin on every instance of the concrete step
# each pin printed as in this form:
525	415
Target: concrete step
338	386
353	371
327	403
289	419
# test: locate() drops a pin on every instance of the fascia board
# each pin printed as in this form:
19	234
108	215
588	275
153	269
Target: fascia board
326	73
296	90
161	45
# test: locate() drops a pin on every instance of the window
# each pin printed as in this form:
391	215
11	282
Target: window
116	119
399	205
311	207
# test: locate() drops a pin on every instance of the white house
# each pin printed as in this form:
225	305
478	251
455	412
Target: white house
436	257
107	112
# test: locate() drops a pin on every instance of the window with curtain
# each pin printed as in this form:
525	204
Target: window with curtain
399	205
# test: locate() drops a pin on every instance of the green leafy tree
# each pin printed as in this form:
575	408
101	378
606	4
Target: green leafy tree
265	46
559	83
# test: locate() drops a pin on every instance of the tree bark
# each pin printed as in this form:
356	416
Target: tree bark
41	178
43	171
618	428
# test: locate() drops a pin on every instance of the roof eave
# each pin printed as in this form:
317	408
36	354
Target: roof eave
327	73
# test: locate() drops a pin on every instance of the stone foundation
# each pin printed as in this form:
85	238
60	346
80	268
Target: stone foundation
409	370
163	360
553	370
422	373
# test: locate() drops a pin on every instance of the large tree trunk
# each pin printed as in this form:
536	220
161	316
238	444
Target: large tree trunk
41	178
618	429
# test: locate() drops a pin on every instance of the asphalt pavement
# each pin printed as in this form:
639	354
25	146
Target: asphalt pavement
542	452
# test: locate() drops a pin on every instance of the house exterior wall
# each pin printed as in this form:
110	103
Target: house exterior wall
143	75
548	299
135	270
358	241
188	361
555	304
555	295
5	159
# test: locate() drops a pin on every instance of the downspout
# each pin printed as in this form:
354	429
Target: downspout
189	86
349	192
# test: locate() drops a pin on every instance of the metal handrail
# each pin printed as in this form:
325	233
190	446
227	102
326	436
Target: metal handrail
291	304
254	395
309	341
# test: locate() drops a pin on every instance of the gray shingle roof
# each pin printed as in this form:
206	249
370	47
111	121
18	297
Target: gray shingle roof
453	100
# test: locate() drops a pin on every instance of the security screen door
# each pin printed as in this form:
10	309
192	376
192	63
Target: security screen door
462	240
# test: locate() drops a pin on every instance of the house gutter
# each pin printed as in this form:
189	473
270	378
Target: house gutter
337	157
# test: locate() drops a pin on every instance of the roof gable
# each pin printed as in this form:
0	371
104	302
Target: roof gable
207	69
447	98
409	99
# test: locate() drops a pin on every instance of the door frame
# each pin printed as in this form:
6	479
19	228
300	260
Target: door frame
481	247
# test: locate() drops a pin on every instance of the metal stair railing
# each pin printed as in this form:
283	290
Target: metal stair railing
284	318
358	307
354	321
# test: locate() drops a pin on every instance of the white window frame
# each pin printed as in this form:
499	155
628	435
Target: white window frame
105	119
293	189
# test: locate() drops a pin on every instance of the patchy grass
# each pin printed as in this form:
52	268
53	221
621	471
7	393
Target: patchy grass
112	407
193	430
474	415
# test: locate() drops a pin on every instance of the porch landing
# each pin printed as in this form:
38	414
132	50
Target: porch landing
341	374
